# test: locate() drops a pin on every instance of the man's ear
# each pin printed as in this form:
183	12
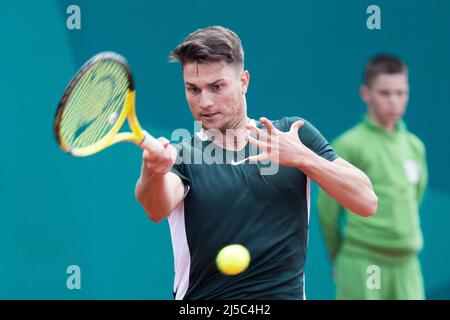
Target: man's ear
245	79
364	93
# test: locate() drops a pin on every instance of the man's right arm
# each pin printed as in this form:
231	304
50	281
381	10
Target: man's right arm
158	190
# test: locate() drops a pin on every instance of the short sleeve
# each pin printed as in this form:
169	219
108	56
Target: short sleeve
314	140
179	167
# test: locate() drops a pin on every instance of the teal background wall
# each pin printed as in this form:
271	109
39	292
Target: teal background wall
305	59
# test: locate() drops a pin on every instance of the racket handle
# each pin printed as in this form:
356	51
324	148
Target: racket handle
151	144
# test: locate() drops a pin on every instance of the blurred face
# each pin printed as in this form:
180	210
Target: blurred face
386	99
215	93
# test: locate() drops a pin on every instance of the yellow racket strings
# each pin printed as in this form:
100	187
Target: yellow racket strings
94	105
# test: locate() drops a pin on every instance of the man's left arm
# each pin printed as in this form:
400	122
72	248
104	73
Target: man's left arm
345	183
423	180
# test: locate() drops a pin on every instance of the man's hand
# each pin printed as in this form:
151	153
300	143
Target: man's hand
284	148
158	190
159	163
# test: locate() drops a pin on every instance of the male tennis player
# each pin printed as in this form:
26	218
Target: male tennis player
212	205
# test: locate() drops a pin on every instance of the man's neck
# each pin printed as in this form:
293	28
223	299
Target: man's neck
388	127
233	138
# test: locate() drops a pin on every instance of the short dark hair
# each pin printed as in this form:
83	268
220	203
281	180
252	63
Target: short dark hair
383	64
210	44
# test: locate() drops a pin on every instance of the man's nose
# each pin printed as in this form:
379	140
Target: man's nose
205	100
394	99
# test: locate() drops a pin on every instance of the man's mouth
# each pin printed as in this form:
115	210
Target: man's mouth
210	115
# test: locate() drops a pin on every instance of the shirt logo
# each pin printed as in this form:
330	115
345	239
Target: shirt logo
412	170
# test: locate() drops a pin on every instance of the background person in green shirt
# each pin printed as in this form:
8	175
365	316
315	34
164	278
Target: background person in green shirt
376	258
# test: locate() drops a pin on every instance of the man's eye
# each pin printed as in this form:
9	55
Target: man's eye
217	87
193	90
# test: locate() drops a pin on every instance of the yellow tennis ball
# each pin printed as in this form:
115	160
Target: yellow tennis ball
233	259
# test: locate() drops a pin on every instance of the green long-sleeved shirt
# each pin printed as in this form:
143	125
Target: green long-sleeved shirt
396	165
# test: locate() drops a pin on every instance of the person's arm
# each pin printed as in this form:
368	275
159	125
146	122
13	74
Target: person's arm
329	212
158	190
423	180
345	183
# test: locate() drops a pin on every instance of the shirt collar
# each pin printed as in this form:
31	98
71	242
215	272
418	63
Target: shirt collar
204	137
400	127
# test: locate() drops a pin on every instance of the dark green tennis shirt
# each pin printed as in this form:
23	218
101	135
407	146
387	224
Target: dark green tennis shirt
266	210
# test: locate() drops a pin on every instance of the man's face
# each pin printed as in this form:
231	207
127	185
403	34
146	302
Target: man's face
387	98
215	93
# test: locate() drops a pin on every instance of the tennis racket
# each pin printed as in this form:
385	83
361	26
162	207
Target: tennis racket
95	105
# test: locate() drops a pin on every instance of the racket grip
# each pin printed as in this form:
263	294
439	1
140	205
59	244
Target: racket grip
150	143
